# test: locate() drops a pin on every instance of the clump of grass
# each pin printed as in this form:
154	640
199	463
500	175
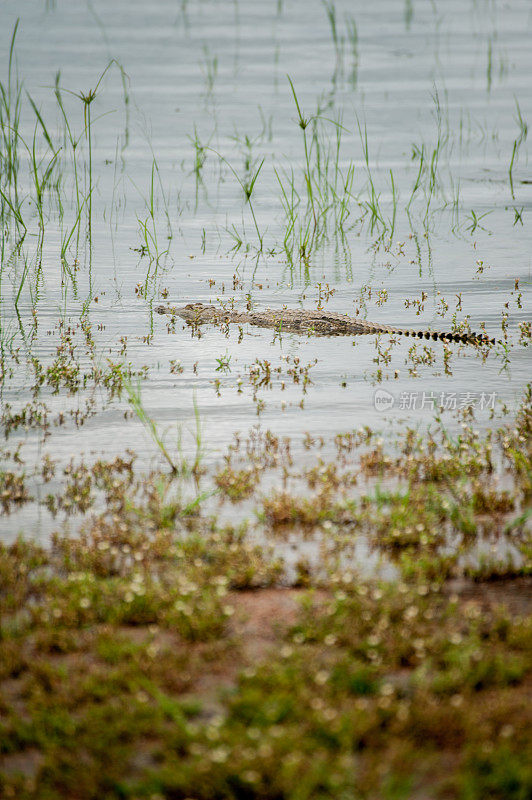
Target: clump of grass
523	133
282	508
10	108
178	465
318	205
200	157
247	184
13	491
237	484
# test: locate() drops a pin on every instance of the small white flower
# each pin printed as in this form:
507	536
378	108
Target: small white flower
219	755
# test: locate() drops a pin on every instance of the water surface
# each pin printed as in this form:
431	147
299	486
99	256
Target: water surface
446	79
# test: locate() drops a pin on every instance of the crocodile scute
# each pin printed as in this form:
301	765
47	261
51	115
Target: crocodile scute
320	323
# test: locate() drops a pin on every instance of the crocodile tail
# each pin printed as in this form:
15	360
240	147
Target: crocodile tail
445	336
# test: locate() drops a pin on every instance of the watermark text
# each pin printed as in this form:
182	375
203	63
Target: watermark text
421	400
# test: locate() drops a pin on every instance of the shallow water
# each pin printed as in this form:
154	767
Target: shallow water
417	73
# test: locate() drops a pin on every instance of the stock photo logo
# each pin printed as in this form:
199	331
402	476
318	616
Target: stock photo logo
446	401
383	400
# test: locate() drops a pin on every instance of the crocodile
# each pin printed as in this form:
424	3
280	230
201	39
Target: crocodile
320	323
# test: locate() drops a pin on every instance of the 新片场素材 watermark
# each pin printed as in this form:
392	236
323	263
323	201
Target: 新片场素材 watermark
420	400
